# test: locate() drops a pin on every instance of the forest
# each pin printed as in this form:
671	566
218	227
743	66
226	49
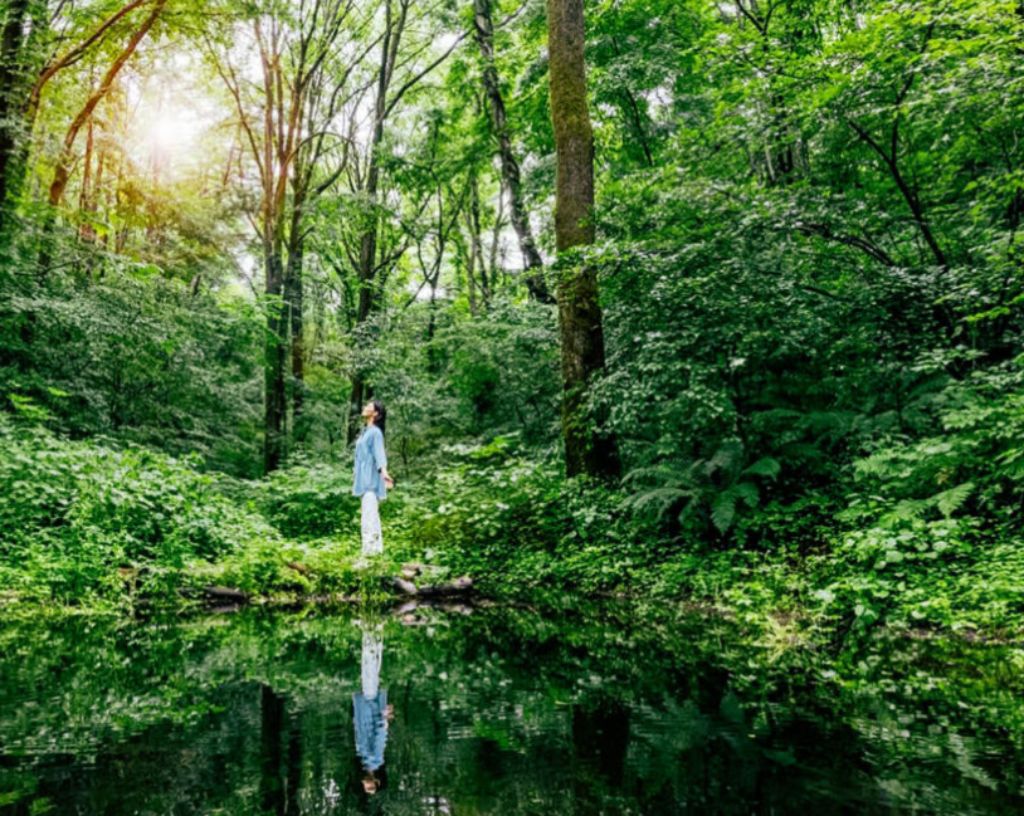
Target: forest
712	303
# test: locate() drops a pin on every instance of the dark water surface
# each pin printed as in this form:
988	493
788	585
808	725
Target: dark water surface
494	711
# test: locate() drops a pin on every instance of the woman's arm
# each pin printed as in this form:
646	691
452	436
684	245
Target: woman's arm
380	458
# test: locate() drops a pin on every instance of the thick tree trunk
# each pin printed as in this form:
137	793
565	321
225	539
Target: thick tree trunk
588	449
11	40
533	264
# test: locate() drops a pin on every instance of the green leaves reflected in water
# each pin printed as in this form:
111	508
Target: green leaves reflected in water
599	710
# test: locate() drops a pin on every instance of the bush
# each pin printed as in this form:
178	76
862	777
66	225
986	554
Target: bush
310	501
81	519
932	531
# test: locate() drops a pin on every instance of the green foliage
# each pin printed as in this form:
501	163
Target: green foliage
310	502
472	377
718	484
83	521
809	251
928	514
91	525
137	357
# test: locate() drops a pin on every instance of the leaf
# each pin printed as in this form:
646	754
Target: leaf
748	492
661	498
765	466
723	511
725	457
949	501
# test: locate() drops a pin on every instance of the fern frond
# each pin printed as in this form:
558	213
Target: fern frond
662	473
949	501
765	466
723	511
748	492
661	498
725	458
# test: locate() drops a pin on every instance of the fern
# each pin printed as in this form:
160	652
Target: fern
725	458
661	498
723	511
723	508
949	501
658	474
766	466
748	492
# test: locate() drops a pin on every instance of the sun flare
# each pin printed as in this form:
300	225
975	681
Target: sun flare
171	132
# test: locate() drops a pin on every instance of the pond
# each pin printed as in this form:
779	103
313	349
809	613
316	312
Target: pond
495	710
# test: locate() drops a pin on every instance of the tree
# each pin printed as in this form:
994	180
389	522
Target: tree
12	37
589	449
397	72
63	168
25	36
286	127
533	264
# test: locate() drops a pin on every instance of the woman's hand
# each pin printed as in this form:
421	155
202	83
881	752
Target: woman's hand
388	481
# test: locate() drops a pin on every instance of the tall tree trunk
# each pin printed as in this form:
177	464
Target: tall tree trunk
11	40
588	448
275	358
533	264
294	301
285	142
478	259
368	243
367	299
85	231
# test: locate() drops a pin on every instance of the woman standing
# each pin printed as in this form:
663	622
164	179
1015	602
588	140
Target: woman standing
371	475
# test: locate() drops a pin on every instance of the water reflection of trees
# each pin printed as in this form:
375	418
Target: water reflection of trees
504	713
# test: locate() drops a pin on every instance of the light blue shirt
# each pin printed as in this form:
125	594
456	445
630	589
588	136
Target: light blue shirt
371	728
370	458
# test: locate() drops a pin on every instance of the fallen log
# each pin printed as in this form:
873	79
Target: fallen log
460	586
404	586
222	593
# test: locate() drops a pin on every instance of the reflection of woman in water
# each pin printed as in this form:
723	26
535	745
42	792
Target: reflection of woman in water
371	713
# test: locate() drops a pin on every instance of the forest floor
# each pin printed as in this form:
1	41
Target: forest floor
87	527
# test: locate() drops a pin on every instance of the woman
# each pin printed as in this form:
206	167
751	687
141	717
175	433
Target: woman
371	712
371	475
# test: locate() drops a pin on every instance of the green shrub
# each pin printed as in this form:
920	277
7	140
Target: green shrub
310	501
932	531
82	519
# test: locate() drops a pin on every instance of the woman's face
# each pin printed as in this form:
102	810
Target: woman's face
369	412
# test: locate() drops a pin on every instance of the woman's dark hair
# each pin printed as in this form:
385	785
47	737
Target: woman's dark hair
382	415
370	802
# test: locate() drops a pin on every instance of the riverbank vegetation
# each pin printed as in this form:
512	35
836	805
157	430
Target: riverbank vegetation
733	321
927	725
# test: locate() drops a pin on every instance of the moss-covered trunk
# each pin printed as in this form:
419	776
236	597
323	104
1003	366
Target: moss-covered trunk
588	449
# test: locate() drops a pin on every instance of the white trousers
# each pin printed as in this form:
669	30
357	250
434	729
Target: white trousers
369	663
373	538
